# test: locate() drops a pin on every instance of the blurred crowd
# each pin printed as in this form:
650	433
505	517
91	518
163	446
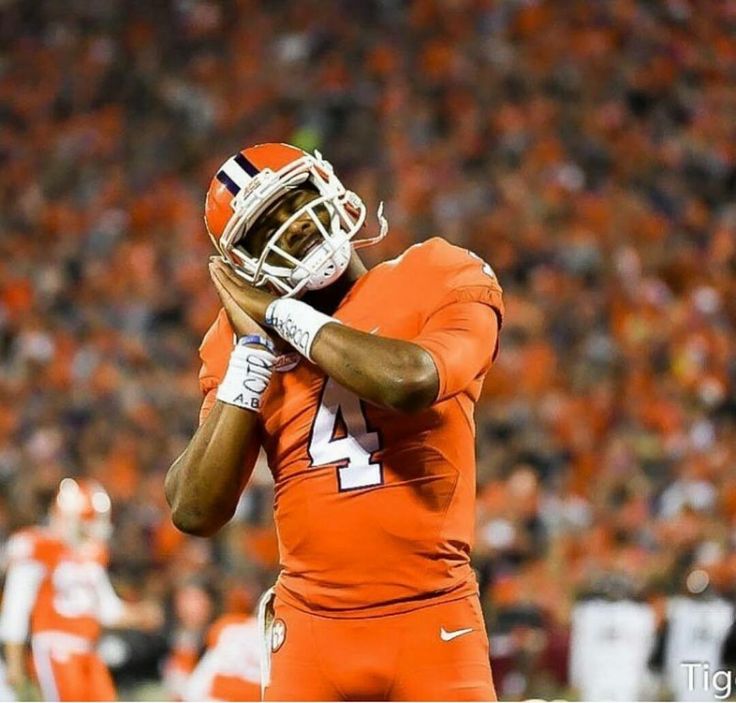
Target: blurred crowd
587	150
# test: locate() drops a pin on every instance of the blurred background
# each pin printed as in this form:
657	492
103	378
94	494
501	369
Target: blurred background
586	149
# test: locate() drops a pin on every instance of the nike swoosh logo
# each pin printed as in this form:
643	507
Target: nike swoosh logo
446	636
374	330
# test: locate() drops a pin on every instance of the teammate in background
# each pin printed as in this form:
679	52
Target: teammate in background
57	591
230	668
367	423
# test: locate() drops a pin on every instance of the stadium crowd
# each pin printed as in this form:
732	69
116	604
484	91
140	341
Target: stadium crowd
587	150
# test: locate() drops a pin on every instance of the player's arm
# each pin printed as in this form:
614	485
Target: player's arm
455	346
204	484
115	612
391	373
21	589
409	376
15	662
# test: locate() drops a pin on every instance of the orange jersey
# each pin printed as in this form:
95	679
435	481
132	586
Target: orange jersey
375	509
54	588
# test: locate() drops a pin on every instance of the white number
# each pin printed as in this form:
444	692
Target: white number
487	270
339	411
74	593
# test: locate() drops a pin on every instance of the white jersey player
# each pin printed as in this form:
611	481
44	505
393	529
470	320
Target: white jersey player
610	646
697	629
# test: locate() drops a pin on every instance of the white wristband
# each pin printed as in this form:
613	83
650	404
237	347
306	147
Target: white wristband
247	376
297	323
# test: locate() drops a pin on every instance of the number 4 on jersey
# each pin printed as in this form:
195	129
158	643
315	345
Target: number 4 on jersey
340	435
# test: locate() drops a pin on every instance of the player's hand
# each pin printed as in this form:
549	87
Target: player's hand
143	615
150	616
250	300
17	679
238	300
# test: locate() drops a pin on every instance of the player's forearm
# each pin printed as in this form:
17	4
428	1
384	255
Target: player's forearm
15	660
388	372
144	615
203	485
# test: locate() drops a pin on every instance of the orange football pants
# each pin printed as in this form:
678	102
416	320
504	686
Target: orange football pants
438	652
72	676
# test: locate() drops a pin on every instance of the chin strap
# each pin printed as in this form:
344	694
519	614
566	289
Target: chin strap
382	231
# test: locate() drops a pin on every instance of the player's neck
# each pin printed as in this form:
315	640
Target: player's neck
328	299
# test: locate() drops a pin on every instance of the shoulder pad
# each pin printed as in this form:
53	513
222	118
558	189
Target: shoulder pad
33	543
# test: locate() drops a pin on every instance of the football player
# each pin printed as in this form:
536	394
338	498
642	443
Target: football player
58	591
230	669
360	386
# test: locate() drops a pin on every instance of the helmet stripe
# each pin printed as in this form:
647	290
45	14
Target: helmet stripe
233	168
228	182
245	164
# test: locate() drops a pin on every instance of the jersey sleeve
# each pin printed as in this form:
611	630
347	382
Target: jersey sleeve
25	574
458	275
463	317
461	338
110	606
214	353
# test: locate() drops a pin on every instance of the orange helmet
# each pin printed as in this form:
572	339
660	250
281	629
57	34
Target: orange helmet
81	511
249	183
